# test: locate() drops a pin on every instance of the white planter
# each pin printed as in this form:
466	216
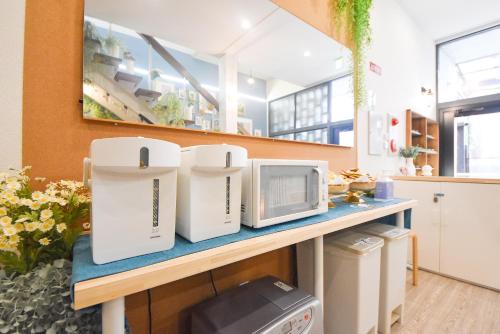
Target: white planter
410	167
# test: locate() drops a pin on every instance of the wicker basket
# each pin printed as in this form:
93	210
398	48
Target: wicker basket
362	186
337	189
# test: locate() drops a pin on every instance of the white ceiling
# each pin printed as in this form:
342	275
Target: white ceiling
442	19
273	48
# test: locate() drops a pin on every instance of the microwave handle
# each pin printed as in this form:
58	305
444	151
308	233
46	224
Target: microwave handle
320	180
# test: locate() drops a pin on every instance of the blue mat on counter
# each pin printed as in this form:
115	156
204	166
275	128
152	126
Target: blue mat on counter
84	268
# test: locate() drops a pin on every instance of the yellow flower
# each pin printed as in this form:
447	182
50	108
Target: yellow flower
35	206
13	199
14	240
30	227
46	214
37	195
13	185
26	201
9	230
11	179
60	227
62	202
44	241
46	225
19	227
3	211
44	199
5	221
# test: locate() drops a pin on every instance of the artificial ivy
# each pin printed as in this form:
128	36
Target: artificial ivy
354	15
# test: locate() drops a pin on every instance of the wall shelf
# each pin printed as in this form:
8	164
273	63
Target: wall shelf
424	133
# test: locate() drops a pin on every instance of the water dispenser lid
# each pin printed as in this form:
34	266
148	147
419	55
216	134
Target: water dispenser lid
217	156
354	242
385	231
130	151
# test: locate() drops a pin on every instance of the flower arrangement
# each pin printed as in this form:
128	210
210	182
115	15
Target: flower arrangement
38	226
409	152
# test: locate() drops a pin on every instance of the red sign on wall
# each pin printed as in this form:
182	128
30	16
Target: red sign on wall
375	68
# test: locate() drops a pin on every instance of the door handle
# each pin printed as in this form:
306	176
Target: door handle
436	196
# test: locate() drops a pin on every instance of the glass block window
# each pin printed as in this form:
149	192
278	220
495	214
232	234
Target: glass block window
320	114
282	114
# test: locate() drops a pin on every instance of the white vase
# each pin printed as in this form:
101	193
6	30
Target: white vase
410	167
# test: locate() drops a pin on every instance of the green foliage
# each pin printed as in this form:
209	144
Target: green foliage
354	15
169	110
40	302
92	109
92	43
410	152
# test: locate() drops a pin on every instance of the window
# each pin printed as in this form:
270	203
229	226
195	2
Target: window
319	114
469	66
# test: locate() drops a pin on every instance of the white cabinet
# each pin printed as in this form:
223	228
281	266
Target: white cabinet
458	233
425	219
470	232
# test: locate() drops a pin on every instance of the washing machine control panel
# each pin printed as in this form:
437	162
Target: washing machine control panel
296	324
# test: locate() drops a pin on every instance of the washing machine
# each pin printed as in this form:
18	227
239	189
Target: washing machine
266	305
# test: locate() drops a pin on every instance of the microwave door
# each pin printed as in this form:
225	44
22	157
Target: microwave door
286	190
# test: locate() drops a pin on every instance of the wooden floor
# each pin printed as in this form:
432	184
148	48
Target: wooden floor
443	305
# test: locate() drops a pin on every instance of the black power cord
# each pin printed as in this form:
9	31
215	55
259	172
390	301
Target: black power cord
150	317
213	283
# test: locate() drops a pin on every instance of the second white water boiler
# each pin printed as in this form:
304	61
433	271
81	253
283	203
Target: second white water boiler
209	191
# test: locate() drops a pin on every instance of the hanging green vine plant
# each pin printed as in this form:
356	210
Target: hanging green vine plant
354	17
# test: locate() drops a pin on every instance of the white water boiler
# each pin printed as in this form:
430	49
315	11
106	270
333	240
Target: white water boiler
133	196
209	191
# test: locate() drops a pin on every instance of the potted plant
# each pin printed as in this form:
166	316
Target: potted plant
409	153
112	46
37	231
92	43
169	110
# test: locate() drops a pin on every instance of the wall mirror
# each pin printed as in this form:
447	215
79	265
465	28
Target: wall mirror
235	66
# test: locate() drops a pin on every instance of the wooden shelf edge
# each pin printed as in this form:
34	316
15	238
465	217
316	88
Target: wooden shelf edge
102	289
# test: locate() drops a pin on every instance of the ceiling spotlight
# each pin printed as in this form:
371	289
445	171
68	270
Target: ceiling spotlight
251	81
245	24
307	53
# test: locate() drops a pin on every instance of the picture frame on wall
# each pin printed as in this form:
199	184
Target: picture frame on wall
375	133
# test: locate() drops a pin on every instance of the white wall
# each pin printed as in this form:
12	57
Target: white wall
407	58
11	81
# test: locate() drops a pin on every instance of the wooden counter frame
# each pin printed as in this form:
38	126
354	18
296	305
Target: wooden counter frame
111	290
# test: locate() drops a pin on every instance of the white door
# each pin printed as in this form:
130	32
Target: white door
470	232
425	218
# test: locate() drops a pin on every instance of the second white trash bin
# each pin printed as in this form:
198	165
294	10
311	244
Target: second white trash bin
351	280
392	272
209	191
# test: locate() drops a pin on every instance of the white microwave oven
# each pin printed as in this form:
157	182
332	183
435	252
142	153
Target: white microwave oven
276	191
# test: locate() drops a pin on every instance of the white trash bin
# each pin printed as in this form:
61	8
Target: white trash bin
392	272
351	280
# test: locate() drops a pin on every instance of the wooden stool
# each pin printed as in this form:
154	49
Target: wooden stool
414	251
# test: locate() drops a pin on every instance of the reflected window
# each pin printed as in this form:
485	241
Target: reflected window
319	114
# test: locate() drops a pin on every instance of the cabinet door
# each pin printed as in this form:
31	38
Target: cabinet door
425	219
470	232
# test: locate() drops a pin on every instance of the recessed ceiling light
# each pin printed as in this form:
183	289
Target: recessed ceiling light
245	24
307	53
251	81
339	63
